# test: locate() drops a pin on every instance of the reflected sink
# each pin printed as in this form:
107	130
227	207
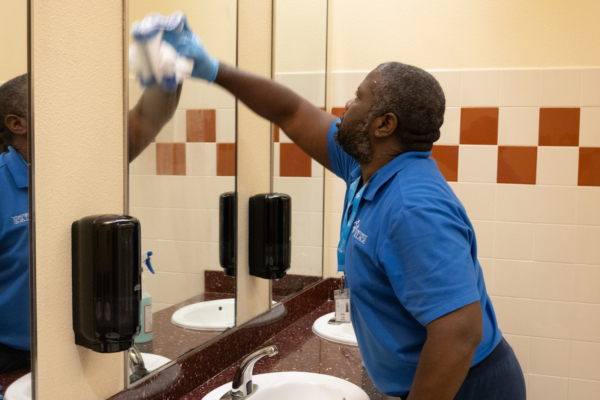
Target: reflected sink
21	388
343	333
297	386
215	315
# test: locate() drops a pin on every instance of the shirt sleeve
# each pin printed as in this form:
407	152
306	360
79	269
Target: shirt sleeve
428	260
341	163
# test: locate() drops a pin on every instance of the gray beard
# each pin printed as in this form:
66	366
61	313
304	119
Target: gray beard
354	140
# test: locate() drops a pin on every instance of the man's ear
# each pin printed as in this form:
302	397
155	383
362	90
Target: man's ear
16	124
386	125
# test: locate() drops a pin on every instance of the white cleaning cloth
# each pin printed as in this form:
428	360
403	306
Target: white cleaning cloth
152	54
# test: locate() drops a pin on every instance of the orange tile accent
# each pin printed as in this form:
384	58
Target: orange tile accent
517	164
275	134
201	125
446	158
479	125
559	127
225	159
170	158
338	111
293	161
589	166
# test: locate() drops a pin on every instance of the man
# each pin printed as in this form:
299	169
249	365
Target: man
425	325
146	119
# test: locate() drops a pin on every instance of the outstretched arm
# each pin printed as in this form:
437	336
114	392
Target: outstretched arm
302	122
154	109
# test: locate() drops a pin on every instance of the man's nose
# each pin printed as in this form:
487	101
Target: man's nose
349	103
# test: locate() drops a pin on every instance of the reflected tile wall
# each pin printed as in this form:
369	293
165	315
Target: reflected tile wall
174	189
521	149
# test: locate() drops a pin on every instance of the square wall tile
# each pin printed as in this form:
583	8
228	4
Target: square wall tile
479	199
450	81
518	126
201	159
520	87
170	159
589	128
294	161
276	131
450	130
479	126
555	204
551	319
307	194
588	245
513	241
515	203
480	88
343	91
588	212
276	157
557	165
585	322
225	126
559	126
583	360
201	125
590	88
478	163
589	166
225	159
337	194
580	389
552	281
446	158
585	282
338	111
307	228
145	163
167	133
549	357
517	164
484	232
512	278
514	315
560	88
555	243
541	387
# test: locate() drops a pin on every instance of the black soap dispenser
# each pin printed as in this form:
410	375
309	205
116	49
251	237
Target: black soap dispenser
227	230
270	235
106	282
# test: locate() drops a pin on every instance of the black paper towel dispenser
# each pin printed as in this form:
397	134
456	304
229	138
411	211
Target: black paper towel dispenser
227	232
270	240
106	282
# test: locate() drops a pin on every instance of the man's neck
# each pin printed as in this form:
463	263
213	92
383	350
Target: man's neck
378	162
22	150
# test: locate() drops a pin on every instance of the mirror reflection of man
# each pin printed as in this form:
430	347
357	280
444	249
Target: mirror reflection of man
425	324
154	109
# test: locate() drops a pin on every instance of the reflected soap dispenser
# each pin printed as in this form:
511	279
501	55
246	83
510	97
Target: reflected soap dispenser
270	235
106	282
146	306
227	232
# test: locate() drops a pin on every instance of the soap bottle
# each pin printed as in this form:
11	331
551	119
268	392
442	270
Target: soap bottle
146	305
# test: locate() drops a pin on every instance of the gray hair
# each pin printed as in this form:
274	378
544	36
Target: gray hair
416	98
13	100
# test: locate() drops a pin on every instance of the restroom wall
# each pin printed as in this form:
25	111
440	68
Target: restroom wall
79	170
13	39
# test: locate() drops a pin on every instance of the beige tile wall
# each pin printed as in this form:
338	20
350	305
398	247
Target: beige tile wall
539	245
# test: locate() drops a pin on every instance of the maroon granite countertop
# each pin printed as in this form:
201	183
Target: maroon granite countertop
301	350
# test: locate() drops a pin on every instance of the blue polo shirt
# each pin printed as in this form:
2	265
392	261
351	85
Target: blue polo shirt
14	251
411	258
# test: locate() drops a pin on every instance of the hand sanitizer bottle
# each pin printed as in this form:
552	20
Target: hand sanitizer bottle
146	311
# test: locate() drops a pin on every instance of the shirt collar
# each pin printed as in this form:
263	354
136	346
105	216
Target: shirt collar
17	167
388	171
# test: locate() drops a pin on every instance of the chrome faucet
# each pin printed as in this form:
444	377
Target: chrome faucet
242	386
137	365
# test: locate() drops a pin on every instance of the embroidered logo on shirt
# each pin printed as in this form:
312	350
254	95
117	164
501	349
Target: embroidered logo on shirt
19	219
358	235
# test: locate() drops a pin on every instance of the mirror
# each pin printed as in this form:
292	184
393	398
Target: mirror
15	344
175	184
301	66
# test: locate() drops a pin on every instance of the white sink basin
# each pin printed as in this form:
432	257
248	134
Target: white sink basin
298	386
21	388
343	333
215	315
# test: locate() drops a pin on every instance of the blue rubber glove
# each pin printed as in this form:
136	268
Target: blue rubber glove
187	44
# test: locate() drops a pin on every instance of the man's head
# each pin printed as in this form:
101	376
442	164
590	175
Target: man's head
397	108
13	110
